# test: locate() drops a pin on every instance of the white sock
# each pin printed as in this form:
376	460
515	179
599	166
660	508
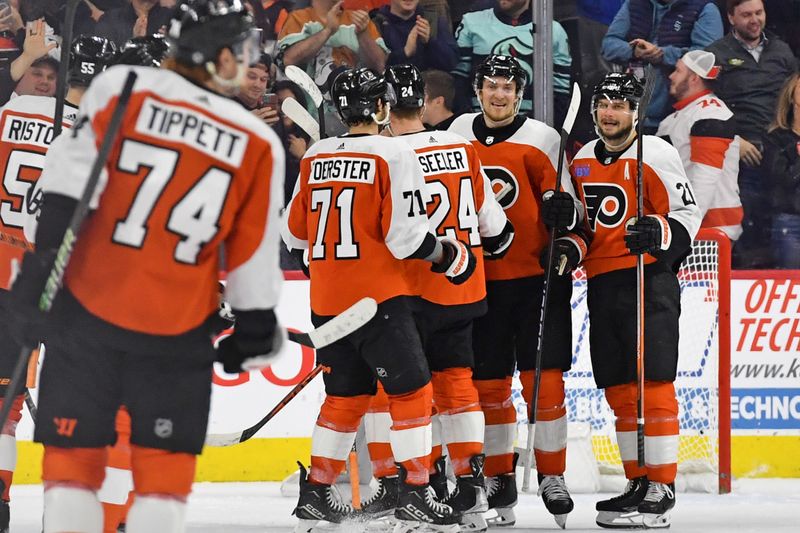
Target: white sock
116	486
73	509
160	513
8	451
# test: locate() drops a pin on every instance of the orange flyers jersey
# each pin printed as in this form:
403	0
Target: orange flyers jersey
608	193
190	171
461	205
358	208
26	127
523	155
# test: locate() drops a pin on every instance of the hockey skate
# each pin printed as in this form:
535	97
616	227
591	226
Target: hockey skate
469	497
556	498
438	479
657	503
418	511
318	503
501	492
621	512
378	509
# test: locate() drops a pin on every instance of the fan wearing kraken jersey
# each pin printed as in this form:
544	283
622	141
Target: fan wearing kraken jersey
26	123
359	208
521	154
131	325
605	173
460	203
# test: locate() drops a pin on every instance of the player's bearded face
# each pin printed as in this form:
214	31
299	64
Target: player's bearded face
614	119
498	97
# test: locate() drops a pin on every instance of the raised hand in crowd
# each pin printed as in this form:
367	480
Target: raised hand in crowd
749	153
35	45
10	19
267	114
360	19
333	17
297	146
423	28
647	51
140	27
95	12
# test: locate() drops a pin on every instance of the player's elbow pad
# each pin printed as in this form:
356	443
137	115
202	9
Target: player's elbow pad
256	340
496	247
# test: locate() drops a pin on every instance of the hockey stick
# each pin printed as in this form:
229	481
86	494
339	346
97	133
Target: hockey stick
331	331
569	121
299	76
71	234
298	114
643	103
63	65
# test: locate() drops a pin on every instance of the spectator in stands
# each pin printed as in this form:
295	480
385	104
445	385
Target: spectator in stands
270	16
439	93
658	33
702	129
254	89
506	29
781	169
135	19
295	140
34	71
413	38
755	66
324	36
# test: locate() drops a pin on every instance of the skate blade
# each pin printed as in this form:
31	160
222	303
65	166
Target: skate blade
409	526
656	521
504	517
317	526
617	520
473	522
561	520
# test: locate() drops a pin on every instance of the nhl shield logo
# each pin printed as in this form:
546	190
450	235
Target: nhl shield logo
163	428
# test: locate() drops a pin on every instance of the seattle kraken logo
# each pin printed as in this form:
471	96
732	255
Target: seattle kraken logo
519	50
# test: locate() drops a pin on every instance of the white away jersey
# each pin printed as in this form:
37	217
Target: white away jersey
703	130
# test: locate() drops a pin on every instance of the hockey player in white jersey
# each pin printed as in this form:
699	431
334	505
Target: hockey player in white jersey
460	204
359	210
702	129
522	154
27	132
605	174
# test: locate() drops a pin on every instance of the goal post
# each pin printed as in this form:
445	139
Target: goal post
702	383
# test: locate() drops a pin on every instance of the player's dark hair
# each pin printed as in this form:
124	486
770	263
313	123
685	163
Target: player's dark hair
440	83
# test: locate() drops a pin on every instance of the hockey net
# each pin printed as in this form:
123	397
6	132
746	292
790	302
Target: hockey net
702	383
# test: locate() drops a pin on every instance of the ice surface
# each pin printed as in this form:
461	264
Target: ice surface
757	505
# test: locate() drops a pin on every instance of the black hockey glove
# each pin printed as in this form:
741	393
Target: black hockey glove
26	322
256	340
301	258
558	210
457	263
647	235
497	246
567	255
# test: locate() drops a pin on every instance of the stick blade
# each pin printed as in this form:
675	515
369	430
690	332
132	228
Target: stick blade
299	76
572	111
223	439
300	116
340	326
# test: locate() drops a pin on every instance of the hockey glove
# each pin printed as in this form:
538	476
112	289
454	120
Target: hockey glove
301	258
26	322
497	246
567	255
558	210
256	341
647	235
457	262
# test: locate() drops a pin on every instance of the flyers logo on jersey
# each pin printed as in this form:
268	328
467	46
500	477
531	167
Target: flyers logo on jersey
499	177
606	204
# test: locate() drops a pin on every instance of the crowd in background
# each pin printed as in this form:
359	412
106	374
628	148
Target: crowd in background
447	38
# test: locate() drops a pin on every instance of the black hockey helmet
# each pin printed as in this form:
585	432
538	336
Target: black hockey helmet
88	57
619	86
147	51
356	92
408	86
199	29
502	66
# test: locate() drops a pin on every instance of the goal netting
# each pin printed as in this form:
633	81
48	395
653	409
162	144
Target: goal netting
703	371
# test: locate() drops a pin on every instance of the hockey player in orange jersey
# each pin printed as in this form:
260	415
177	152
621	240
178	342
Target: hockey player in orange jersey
605	174
461	204
26	123
359	209
191	170
521	154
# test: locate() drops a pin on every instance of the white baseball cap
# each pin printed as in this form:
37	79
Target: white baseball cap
702	63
